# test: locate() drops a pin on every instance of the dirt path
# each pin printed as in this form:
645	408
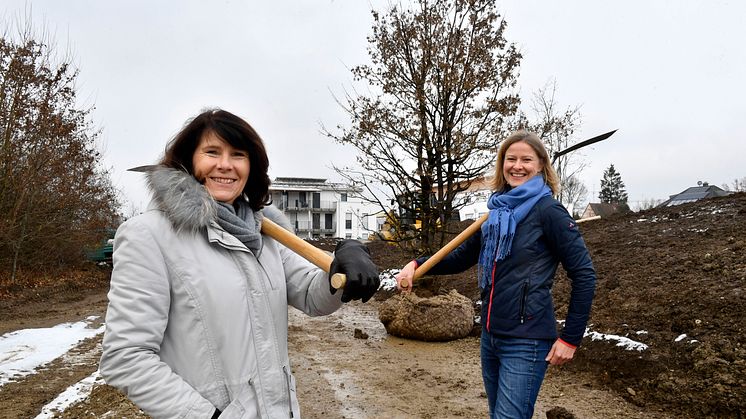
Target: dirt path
340	373
340	376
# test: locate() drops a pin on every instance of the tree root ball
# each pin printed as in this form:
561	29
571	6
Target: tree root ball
440	318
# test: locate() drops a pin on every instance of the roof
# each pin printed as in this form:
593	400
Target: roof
299	180
604	209
694	193
307	184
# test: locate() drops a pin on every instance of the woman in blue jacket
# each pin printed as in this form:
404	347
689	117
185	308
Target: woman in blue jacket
518	249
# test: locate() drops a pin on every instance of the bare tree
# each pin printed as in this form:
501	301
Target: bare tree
647	204
54	197
738	185
574	192
441	94
556	127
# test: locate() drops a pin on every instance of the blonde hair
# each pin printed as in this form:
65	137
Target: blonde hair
550	175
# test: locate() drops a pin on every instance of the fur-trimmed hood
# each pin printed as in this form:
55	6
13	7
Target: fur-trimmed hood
187	204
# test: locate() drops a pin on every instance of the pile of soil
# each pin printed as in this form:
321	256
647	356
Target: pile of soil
672	278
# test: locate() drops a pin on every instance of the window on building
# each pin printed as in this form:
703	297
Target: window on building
348	221
343	197
316	200
316	221
348	236
328	221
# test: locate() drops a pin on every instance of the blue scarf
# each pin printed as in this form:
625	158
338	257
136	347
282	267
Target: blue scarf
507	210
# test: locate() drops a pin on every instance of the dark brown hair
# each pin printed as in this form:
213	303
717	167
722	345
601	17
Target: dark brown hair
236	132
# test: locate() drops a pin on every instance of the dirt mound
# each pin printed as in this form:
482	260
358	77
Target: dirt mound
673	279
440	318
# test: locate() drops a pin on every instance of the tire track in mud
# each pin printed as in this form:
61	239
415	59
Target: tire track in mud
340	376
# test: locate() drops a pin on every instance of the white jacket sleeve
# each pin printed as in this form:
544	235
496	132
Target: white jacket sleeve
135	322
308	286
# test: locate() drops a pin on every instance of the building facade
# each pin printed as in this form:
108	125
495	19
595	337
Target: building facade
317	208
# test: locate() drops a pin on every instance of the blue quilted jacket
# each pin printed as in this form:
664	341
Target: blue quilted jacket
518	303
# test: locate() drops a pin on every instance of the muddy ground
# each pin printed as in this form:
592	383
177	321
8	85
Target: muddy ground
662	274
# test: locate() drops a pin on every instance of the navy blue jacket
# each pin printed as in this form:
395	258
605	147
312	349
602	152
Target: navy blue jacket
519	301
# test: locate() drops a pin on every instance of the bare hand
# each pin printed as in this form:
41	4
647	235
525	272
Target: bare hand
405	277
560	353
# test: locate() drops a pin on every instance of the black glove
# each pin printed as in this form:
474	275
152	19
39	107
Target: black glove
352	258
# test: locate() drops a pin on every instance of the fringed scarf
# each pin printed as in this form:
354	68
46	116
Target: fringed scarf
507	210
242	222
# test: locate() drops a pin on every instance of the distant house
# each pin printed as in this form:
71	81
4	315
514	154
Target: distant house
474	199
695	193
602	210
317	208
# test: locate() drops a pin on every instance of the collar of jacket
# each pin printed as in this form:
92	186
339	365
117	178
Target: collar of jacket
190	208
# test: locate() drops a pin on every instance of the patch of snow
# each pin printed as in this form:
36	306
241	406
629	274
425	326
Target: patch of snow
680	337
626	343
388	282
694	341
70	396
642	332
24	350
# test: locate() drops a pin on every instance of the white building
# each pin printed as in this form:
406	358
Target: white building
475	199
317	208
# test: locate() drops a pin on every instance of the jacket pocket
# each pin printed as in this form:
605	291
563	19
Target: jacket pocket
244	405
524	302
292	397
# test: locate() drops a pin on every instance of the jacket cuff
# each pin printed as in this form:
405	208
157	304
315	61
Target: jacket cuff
568	344
416	264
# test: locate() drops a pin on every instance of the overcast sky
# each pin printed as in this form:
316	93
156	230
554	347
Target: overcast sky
670	75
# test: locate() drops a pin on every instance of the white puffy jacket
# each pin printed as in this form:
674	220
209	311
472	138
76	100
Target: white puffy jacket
196	321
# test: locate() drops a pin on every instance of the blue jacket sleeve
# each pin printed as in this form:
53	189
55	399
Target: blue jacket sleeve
565	241
460	259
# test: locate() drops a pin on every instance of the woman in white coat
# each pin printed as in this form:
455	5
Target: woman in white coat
197	320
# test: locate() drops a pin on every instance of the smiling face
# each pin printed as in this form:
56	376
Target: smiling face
222	168
521	163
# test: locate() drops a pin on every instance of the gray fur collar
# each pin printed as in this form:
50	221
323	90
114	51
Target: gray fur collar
186	202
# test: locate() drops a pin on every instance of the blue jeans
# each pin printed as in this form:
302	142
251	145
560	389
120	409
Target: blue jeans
512	370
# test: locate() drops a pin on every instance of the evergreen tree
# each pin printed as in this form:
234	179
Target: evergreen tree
612	187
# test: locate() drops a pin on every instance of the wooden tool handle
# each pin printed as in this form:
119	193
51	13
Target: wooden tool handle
445	250
306	250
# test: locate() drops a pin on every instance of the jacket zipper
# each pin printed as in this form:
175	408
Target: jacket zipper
523	302
287	380
492	291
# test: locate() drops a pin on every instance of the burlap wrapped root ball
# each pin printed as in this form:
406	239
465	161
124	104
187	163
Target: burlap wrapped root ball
440	318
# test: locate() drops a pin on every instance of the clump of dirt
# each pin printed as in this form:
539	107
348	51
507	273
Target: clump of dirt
440	318
559	413
672	278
